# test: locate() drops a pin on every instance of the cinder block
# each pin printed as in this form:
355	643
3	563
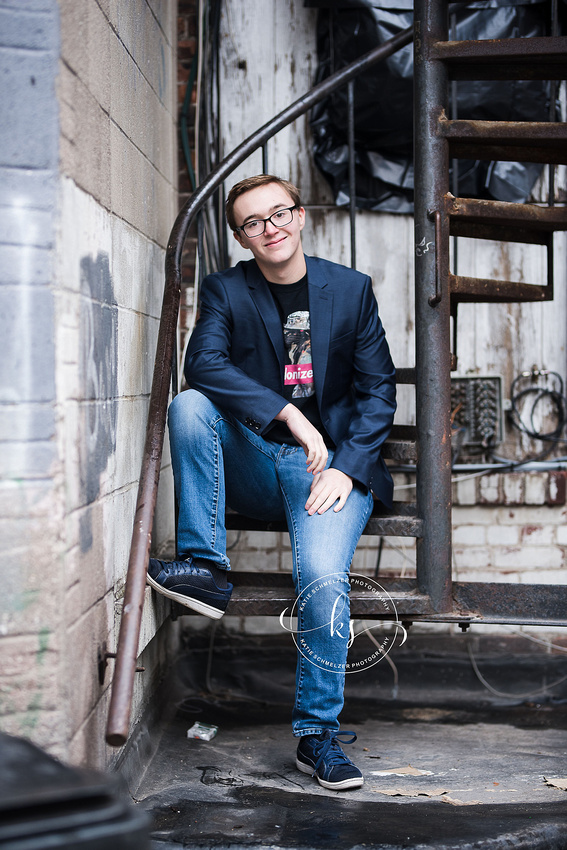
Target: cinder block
27	332
536	488
140	194
544	576
37	31
464	491
488	576
34	689
86	126
258	560
557	487
136	259
513	488
28	94
47	727
561	535
472	556
489	490
537	535
503	535
478	515
139	125
144	40
83	640
26	227
262	540
31	460
85	37
27	421
26	499
526	557
32	268
26	188
469	535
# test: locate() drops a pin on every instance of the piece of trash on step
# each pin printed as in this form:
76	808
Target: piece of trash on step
202	731
556	783
412	792
402	771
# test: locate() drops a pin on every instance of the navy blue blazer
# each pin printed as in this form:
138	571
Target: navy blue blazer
236	358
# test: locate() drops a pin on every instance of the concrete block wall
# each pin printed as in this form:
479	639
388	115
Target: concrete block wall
30	511
88	159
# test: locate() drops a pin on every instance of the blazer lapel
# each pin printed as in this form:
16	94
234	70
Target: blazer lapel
262	298
321	314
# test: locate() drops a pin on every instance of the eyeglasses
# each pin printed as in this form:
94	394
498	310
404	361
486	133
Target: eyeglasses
258	226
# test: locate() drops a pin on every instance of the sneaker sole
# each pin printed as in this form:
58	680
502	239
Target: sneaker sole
354	782
194	604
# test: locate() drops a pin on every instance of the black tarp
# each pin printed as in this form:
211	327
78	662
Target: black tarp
383	99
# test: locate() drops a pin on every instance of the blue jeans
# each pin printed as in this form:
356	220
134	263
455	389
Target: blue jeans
217	461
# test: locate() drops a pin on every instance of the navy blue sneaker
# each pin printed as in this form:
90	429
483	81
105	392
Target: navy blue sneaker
321	756
191	585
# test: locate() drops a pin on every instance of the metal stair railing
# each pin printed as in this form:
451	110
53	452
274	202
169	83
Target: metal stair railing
128	640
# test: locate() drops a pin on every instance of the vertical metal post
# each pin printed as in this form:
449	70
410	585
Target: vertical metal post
265	158
351	173
432	308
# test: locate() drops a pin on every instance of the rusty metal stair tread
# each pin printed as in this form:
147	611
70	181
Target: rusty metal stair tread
401	521
525	141
505	222
269	594
475	289
537	58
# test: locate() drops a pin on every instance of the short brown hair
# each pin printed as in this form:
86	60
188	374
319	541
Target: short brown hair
252	183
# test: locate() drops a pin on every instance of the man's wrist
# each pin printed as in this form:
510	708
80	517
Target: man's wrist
287	412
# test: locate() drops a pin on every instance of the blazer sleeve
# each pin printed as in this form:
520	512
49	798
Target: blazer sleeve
209	369
374	396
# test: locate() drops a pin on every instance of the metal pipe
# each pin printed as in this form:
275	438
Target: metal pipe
127	650
351	173
432	320
265	158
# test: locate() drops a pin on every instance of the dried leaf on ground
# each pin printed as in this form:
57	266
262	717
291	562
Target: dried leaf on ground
556	783
454	802
412	792
402	771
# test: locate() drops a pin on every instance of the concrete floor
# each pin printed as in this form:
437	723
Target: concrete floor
446	763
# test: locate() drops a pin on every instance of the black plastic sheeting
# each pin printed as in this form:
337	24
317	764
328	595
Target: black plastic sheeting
383	100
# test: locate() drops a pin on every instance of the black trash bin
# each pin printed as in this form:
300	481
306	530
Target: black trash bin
46	804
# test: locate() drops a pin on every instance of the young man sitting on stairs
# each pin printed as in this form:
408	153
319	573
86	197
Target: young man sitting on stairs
292	396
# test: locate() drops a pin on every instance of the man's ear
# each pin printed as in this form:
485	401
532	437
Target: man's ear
301	217
238	238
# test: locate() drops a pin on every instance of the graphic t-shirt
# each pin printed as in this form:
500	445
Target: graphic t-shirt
292	301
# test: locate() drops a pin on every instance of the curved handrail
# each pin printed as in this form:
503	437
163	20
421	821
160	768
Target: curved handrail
127	650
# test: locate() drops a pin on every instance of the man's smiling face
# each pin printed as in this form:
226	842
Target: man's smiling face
278	247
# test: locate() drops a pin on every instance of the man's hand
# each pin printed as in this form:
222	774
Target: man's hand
330	485
307	436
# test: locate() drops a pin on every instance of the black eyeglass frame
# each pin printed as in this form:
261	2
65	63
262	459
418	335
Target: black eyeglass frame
264	220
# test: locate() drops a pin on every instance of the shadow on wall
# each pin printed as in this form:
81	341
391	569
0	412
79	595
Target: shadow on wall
98	380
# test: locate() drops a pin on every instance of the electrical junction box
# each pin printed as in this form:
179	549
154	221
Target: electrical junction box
477	411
